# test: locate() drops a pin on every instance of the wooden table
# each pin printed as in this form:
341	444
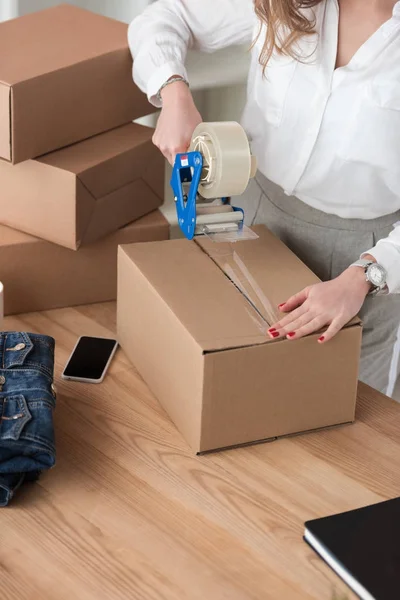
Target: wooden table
130	513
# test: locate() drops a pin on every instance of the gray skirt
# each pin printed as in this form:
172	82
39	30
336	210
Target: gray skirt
328	244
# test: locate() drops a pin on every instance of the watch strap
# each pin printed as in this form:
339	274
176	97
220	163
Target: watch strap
168	82
362	262
375	290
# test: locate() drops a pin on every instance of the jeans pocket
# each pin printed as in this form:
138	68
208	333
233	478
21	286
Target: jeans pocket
39	432
14	418
27	442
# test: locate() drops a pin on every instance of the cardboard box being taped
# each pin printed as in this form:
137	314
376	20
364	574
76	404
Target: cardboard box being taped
38	275
81	193
65	75
192	317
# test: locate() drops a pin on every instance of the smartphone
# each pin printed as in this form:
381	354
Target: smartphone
90	359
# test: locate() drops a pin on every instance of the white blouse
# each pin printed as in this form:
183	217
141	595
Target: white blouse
329	136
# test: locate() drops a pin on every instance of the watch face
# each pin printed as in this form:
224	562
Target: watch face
377	275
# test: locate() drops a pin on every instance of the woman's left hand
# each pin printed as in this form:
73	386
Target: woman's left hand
332	304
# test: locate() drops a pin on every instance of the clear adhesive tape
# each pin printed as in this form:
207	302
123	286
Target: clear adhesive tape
209	210
228	163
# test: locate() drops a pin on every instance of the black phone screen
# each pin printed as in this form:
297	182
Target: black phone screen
90	358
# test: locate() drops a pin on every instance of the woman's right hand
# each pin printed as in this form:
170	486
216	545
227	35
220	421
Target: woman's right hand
179	118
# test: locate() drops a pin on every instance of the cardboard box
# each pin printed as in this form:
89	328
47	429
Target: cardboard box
81	193
192	318
38	275
65	75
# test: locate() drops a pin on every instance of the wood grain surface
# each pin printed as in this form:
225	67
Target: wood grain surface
130	513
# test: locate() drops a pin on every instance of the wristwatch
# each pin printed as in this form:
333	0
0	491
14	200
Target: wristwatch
375	274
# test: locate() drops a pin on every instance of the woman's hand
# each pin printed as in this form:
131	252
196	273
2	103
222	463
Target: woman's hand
332	304
179	118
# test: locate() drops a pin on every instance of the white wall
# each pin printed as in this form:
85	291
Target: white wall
124	10
8	9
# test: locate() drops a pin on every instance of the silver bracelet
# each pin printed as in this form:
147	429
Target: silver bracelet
168	82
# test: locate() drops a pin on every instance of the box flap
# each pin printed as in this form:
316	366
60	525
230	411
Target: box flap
73	34
209	306
84	209
12	237
47	210
264	392
5	121
111	160
153	220
118	208
266	271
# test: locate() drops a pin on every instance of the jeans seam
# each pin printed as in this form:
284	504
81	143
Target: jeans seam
36	443
38	402
36	340
4	351
27	394
2	413
35	371
38	440
39	367
30	366
41	339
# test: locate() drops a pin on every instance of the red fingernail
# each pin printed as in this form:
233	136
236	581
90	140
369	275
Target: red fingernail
275	334
272	329
322	338
282	305
291	334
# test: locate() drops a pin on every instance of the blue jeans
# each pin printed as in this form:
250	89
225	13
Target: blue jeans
27	402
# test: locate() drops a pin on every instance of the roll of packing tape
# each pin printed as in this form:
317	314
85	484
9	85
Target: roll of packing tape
227	161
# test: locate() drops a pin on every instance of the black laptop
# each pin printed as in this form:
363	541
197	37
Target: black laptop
363	547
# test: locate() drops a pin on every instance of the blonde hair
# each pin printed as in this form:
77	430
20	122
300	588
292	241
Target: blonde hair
285	23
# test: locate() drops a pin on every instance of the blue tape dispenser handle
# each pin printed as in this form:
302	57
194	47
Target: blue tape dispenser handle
186	172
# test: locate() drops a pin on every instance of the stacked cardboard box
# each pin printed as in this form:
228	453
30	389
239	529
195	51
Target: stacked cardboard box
66	78
39	275
75	171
